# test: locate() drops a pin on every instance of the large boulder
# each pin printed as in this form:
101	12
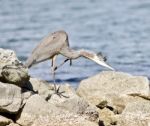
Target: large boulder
10	98
112	87
117	95
15	74
11	69
39	112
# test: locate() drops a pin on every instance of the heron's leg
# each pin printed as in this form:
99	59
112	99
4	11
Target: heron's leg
56	67
53	71
53	74
70	62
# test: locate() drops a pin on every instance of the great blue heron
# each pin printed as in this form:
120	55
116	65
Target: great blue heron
57	43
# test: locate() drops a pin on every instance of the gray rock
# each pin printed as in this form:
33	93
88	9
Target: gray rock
140	106
39	112
112	87
73	103
11	69
26	95
63	120
10	98
35	106
69	92
131	120
41	87
7	57
136	113
4	121
15	74
115	93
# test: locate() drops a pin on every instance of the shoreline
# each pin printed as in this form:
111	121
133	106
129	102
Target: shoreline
105	99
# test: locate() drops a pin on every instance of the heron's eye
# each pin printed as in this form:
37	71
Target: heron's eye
105	58
101	56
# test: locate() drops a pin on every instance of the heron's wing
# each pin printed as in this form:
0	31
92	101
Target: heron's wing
45	42
48	47
53	40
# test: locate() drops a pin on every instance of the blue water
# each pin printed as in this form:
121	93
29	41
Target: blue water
118	28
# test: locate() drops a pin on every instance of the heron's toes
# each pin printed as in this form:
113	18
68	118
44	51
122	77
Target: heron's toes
60	93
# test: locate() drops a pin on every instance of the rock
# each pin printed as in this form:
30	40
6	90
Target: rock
34	107
26	95
15	74
69	92
11	69
107	117
136	113
73	103
131	120
41	87
7	57
91	113
13	124
46	90
139	106
63	120
113	87
4	121
39	112
10	98
115	94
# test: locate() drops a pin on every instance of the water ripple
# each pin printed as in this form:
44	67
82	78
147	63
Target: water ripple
120	29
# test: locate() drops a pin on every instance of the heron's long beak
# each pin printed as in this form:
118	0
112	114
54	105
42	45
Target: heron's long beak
105	64
102	63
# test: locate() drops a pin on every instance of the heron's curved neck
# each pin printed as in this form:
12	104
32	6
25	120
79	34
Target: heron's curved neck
87	54
74	54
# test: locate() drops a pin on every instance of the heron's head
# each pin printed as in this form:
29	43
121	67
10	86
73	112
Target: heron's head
98	58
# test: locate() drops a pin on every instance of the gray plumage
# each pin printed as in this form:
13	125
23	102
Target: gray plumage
57	43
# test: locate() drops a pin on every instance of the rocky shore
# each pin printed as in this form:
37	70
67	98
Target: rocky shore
106	99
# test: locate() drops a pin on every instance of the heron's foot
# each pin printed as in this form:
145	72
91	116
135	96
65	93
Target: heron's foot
60	93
